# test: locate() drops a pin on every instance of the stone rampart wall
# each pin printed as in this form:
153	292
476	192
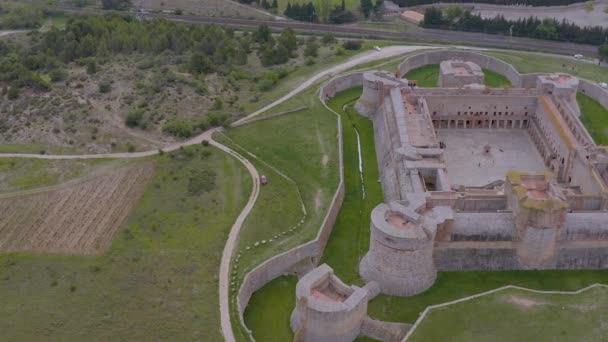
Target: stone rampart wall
590	88
283	263
594	91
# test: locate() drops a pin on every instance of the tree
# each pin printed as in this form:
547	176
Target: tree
433	17
453	12
275	4
91	66
288	39
589	6
603	51
263	34
366	7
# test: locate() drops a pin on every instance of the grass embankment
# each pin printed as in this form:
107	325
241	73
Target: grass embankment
428	77
349	240
304	147
20	174
516	315
527	63
595	118
159	279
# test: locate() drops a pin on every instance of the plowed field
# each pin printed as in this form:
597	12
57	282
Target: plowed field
79	218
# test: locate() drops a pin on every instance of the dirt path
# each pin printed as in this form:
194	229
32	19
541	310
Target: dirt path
231	243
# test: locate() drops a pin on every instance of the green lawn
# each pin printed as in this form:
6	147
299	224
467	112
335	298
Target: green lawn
321	6
19	174
495	80
594	117
158	281
426	76
270	308
517	315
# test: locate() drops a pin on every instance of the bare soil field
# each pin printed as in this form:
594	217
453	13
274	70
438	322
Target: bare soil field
79	218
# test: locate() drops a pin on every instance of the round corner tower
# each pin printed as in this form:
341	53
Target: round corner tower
400	257
374	84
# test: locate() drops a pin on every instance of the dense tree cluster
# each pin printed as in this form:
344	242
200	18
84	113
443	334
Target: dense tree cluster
340	15
407	3
117	5
529	27
304	12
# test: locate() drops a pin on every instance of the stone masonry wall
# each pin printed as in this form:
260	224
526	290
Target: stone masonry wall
590	88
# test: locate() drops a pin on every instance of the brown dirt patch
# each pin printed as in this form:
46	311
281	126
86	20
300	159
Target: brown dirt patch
80	218
524	302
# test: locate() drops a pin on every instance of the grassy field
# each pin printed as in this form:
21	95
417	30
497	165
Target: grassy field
428	76
20	174
159	279
594	117
531	63
323	7
516	315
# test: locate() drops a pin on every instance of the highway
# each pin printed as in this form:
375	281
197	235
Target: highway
417	34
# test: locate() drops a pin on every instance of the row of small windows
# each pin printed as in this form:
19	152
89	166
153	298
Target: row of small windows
485	113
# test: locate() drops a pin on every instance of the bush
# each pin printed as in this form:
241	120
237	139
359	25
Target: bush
178	128
328	38
352	44
105	87
205	142
340	51
310	61
135	118
91	66
58	75
13	93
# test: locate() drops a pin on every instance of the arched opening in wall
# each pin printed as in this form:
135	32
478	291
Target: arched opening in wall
479	123
569	179
525	123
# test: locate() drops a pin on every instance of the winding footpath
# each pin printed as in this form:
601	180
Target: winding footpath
224	276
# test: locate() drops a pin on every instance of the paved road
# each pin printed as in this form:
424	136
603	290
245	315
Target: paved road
442	36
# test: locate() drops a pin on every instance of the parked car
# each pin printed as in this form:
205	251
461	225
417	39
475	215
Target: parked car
603	85
377	48
578	56
263	180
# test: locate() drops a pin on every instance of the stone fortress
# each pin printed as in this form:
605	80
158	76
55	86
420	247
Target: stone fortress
473	178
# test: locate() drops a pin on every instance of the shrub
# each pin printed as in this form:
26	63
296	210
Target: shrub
178	128
13	93
328	38
340	51
135	118
310	61
205	142
105	87
352	44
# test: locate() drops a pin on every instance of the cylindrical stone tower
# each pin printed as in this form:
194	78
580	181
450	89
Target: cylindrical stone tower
374	83
400	256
